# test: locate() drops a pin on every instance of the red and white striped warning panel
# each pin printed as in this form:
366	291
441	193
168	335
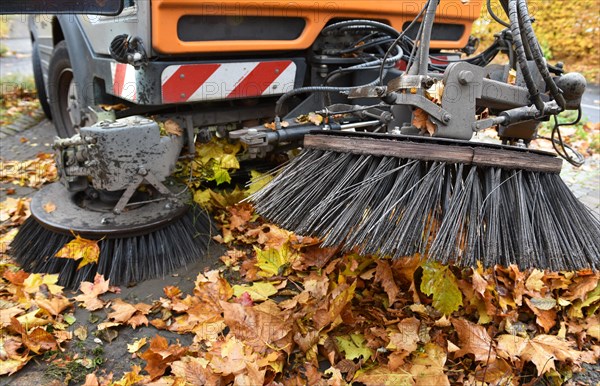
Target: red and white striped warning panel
124	81
210	81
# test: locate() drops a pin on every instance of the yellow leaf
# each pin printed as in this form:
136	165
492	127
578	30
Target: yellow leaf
81	332
273	262
258	181
82	249
259	291
136	345
131	378
49	207
31	320
534	281
35	280
105	325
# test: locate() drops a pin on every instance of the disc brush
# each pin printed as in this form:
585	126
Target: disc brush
146	241
451	201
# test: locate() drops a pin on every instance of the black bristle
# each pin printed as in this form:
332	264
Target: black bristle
449	212
124	260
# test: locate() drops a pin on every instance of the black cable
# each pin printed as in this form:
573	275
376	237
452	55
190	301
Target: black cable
578	158
389	51
361	23
494	16
413	51
537	54
521	56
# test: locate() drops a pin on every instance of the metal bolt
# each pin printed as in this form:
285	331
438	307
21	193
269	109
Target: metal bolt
380	90
465	77
446	117
106	220
182	95
182	76
277	71
142	171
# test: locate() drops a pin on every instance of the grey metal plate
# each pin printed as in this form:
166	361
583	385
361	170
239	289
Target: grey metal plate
69	218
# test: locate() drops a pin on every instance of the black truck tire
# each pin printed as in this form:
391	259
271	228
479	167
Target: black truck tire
38	78
62	93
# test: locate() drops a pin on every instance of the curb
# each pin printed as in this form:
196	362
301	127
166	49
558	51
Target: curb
22	123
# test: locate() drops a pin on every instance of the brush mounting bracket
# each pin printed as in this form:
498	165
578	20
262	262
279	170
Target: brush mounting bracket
118	157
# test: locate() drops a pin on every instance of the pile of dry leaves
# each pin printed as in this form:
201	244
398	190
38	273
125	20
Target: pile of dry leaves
283	310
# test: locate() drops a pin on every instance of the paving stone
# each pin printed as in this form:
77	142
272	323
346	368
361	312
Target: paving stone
8	130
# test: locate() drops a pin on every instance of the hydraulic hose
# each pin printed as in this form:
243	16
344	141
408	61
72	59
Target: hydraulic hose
521	56
381	26
537	54
310	89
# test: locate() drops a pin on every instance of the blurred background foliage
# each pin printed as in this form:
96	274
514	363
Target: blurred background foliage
568	31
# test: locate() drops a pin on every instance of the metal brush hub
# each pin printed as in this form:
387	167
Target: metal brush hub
75	213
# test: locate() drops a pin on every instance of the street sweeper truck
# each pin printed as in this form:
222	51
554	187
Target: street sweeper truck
391	165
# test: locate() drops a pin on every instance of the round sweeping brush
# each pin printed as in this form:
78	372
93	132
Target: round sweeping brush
146	241
452	201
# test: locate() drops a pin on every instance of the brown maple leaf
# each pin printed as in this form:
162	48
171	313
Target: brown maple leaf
194	371
421	121
131	314
582	285
259	326
542	350
160	355
474	339
53	305
384	276
544	318
428	367
407	337
91	291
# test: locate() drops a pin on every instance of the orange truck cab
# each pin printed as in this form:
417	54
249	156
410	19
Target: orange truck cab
213	65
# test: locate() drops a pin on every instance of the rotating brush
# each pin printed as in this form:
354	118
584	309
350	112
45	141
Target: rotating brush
451	202
145	242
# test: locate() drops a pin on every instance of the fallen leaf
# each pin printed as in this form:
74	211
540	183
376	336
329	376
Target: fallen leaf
91	291
258	291
136	345
131	378
353	346
81	332
173	128
159	355
428	367
542	350
35	281
273	262
54	305
91	380
545	318
440	282
407	337
82	249
384	276
383	376
534	281
474	339
49	207
131	314
194	371
421	121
